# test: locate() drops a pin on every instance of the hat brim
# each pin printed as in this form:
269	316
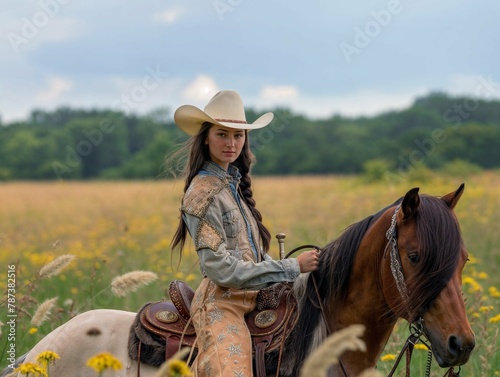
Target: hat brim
190	119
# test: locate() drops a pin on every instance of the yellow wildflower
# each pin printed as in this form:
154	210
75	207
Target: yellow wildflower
473	259
474	285
388	357
31	368
494	292
486	309
47	357
482	275
179	275
421	346
177	368
495	319
32	330
103	361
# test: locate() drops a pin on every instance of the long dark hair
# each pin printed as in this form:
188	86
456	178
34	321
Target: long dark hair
198	153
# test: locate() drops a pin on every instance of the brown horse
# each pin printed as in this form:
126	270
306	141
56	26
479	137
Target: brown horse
404	261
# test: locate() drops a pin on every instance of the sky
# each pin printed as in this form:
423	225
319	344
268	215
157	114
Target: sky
318	58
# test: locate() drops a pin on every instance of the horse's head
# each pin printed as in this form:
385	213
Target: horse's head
424	260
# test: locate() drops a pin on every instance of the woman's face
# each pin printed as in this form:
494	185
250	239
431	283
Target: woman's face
224	144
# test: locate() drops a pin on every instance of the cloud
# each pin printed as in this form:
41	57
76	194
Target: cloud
469	85
200	90
277	94
169	16
368	102
358	103
56	87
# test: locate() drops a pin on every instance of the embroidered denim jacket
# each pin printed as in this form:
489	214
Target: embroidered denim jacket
226	235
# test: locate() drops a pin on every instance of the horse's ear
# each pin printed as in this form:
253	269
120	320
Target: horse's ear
410	203
452	198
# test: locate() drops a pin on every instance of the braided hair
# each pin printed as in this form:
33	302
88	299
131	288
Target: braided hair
197	155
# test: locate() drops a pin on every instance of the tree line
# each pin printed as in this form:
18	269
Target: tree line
436	131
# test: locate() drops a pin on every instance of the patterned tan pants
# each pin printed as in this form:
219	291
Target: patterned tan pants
224	342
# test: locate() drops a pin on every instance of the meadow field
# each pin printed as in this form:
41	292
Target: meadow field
112	228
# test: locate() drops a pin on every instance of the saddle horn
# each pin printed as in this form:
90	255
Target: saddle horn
281	244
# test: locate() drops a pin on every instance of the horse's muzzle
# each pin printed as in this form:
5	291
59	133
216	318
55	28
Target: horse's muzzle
456	352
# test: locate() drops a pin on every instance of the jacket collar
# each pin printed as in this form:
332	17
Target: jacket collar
232	174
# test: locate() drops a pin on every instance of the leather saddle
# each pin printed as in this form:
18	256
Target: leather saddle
169	323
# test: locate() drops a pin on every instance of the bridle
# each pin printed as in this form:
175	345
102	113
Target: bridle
416	327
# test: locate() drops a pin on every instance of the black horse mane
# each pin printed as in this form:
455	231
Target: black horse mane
439	238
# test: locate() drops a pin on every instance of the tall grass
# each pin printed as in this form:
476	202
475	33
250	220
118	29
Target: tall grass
113	228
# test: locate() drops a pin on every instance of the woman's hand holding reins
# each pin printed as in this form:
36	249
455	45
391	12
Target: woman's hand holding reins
308	260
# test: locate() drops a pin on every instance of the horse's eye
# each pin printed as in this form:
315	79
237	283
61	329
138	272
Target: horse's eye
414	258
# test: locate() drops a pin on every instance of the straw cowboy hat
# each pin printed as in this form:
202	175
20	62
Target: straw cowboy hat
224	109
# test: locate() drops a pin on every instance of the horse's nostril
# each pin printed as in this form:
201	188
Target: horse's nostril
457	347
454	345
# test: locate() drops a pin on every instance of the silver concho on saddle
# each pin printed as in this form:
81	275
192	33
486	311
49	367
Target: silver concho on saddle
161	328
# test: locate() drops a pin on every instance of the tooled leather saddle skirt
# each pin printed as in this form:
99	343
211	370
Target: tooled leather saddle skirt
162	328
